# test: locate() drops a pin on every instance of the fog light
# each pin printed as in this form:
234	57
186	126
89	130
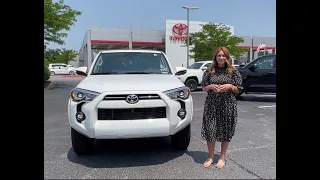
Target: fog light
182	113
80	116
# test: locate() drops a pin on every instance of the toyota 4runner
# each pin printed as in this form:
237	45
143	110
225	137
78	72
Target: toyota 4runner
129	94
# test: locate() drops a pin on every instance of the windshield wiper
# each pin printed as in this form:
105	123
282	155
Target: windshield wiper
139	73
104	73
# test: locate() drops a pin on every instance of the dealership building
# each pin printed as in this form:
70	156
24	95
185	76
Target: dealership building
170	41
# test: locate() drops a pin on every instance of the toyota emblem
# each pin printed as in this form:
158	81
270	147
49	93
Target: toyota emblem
179	29
132	99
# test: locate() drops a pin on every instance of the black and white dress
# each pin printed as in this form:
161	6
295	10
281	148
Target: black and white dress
220	109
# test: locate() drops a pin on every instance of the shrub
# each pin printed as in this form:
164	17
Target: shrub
46	71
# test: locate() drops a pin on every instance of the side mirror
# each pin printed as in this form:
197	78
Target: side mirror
180	71
82	71
253	67
204	68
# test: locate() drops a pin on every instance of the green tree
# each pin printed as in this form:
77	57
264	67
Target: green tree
51	54
46	70
262	53
60	55
58	18
65	56
210	38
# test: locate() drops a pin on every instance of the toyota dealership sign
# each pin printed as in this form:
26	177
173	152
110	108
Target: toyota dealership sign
179	32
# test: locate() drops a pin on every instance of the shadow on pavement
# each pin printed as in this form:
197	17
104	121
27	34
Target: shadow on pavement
258	98
200	156
127	153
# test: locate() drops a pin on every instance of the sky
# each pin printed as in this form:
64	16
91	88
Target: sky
249	17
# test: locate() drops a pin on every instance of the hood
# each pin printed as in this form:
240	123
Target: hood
193	70
132	82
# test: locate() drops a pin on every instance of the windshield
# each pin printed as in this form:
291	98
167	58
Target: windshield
131	63
195	66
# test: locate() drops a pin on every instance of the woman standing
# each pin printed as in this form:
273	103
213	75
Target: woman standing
221	81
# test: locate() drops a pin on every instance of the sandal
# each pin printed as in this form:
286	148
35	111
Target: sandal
221	163
209	160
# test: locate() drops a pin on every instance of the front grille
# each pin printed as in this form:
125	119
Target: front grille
123	97
132	113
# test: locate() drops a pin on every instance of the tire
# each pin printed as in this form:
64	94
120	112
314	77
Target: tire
52	73
181	140
192	84
80	143
71	73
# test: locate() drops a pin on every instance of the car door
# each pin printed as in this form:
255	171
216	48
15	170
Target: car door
56	69
64	69
262	77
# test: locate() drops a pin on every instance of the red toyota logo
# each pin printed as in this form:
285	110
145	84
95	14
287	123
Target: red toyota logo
179	29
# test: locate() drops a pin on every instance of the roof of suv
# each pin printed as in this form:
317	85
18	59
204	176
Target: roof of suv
131	50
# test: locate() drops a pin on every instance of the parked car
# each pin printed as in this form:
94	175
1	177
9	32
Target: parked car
259	76
202	65
193	76
129	94
61	68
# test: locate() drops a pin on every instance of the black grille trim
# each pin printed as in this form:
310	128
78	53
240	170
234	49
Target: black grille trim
132	113
118	97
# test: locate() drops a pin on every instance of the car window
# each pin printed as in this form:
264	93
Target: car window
207	65
195	66
131	62
99	64
265	63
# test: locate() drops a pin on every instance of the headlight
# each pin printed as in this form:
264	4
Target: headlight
178	93
78	94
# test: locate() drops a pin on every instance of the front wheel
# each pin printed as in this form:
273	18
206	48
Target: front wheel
192	84
181	140
80	143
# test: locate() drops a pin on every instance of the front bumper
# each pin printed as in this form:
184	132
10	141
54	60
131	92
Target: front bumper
125	128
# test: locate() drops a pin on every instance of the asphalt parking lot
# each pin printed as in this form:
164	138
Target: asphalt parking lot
251	154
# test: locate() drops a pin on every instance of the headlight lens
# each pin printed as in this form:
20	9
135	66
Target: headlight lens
178	93
78	95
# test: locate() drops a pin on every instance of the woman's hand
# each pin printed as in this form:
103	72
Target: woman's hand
218	87
213	87
225	87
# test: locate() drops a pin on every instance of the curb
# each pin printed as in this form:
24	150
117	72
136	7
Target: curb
50	86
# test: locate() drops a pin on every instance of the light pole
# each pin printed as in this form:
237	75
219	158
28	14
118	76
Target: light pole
188	9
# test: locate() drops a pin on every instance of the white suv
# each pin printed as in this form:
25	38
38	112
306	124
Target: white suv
61	68
129	94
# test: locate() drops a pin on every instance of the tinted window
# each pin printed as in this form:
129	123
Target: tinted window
195	66
131	62
207	65
265	62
